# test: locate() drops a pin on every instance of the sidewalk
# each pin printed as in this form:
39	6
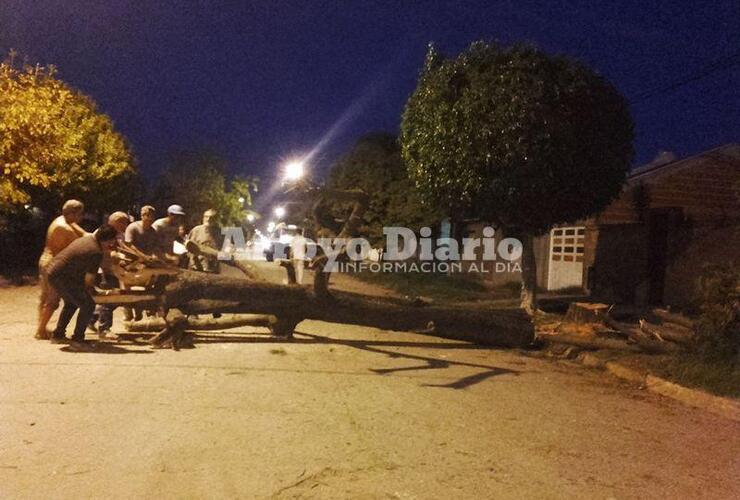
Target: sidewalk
723	406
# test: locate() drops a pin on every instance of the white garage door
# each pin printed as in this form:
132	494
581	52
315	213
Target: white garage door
566	257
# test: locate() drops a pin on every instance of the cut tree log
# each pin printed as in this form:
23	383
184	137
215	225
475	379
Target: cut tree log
670	317
647	341
587	342
668	331
649	344
156	324
586	312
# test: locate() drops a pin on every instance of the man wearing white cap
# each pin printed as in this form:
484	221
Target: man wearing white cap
167	229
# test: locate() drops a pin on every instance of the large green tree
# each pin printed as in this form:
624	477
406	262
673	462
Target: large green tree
198	181
374	165
55	143
518	137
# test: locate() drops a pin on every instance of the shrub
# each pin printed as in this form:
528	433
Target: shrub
718	327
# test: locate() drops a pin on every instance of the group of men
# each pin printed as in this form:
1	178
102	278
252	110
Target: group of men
74	262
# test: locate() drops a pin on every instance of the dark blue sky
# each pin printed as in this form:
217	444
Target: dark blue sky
263	80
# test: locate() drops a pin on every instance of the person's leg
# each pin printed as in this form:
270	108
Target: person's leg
87	306
128	314
93	324
105	316
64	318
299	266
71	303
105	311
48	303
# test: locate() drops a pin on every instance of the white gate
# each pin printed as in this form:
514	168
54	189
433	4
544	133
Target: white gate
566	258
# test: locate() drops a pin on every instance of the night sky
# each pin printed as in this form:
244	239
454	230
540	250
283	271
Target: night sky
261	81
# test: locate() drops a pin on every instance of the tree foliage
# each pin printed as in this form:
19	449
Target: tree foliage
518	137
374	165
54	143
198	181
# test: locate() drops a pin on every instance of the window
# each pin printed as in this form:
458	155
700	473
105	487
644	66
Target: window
567	244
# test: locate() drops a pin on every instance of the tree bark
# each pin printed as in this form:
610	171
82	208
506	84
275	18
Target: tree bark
667	331
677	319
156	324
585	312
529	275
593	343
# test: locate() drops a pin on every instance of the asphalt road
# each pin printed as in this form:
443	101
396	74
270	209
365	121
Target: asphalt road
340	412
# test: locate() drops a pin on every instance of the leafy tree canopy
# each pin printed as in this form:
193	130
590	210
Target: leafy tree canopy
515	136
374	165
54	144
198	181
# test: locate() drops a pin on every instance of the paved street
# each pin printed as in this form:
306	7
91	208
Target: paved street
340	412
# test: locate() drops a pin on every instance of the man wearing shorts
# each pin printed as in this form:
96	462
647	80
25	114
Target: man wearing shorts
62	231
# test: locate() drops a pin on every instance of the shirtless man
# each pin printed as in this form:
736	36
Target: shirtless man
62	231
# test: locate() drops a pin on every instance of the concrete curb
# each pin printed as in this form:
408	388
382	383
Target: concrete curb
721	406
726	407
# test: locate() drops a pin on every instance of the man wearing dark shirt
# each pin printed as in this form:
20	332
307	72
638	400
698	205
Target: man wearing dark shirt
72	274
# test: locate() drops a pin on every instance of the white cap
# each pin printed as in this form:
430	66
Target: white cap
175	210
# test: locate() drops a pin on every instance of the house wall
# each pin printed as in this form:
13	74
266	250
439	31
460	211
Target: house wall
696	201
706	187
618	263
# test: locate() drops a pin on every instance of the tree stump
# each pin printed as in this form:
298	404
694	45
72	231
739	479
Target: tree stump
586	312
174	334
284	326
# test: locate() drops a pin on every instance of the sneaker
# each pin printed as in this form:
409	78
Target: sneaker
81	346
107	335
59	340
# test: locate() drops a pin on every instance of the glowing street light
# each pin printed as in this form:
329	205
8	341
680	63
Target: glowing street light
279	212
250	217
241	199
293	171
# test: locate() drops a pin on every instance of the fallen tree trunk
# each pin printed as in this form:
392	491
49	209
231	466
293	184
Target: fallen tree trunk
292	304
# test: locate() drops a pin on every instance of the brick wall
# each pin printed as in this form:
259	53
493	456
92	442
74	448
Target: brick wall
701	196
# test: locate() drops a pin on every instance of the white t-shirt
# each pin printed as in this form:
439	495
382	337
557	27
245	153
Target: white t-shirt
298	245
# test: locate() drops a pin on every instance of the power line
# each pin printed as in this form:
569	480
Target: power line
720	64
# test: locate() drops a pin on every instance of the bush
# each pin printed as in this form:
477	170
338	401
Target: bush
718	327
